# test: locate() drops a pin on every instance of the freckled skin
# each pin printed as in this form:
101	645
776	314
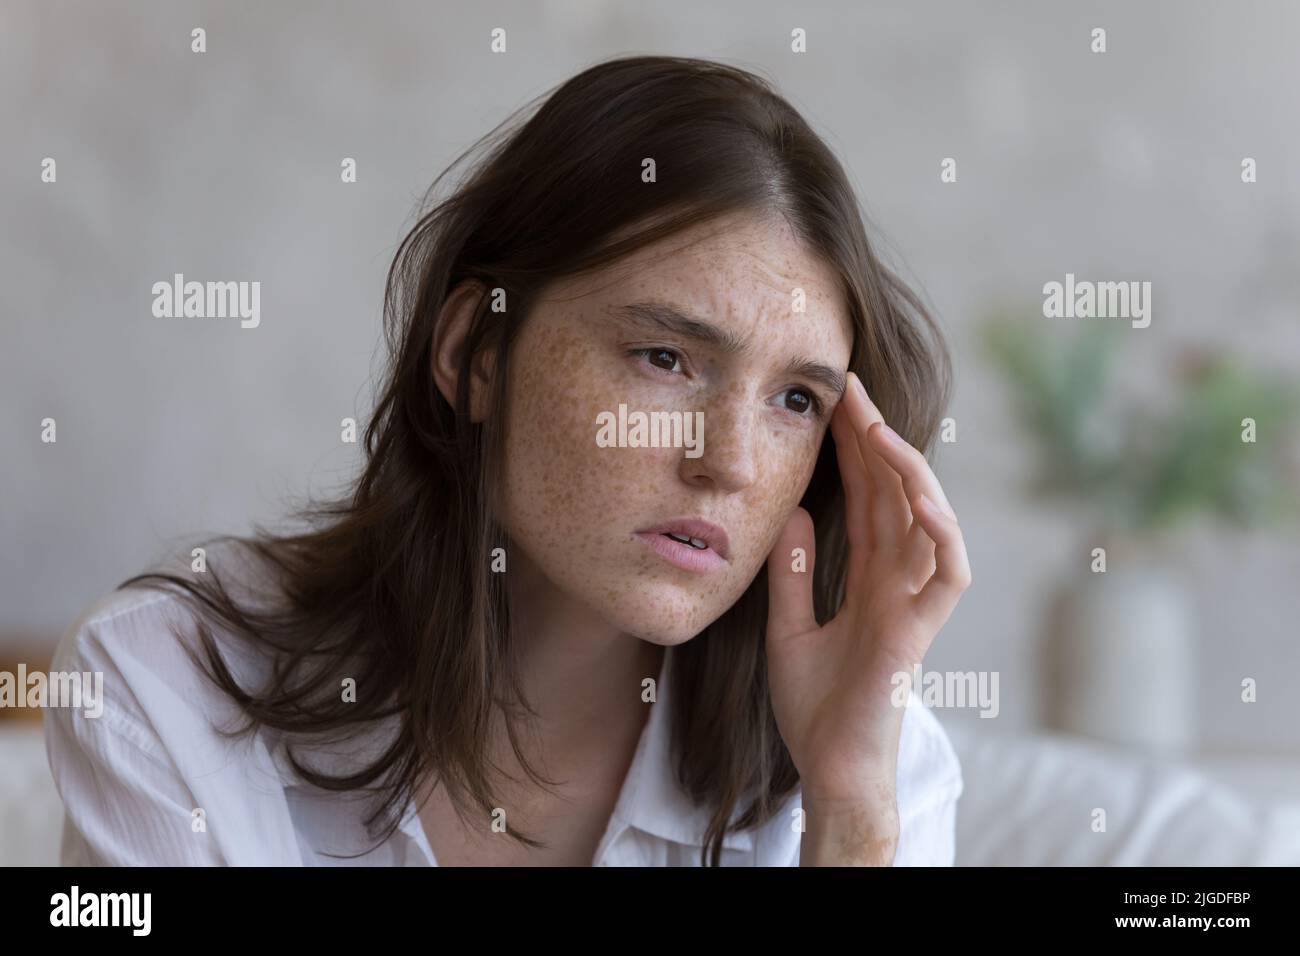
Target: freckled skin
572	507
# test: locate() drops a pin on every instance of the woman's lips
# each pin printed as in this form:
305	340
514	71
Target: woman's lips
683	555
698	529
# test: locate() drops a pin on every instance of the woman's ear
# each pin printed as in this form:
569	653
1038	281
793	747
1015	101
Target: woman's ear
453	327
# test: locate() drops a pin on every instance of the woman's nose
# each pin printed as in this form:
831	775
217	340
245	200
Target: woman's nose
730	440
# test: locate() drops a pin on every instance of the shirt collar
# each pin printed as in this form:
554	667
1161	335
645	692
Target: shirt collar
651	799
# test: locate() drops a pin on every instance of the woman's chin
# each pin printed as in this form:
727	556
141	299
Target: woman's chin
661	615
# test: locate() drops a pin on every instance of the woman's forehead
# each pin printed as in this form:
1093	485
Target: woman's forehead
740	270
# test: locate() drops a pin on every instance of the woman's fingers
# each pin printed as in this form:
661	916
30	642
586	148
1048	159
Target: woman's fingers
888	509
938	521
910	466
918	555
858	490
892	476
952	574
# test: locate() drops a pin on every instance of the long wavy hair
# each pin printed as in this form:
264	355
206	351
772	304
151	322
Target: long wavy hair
390	583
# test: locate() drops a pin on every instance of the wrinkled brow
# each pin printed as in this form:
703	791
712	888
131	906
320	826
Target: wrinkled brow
668	318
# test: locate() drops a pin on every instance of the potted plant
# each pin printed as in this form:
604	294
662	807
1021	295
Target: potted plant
1121	647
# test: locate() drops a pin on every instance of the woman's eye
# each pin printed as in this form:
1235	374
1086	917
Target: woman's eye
664	359
804	403
800	401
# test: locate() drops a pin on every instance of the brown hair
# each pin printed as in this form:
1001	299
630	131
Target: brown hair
392	586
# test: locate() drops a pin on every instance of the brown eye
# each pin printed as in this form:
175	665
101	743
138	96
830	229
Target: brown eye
803	402
664	359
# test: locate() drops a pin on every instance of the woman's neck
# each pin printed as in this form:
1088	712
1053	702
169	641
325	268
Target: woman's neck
581	675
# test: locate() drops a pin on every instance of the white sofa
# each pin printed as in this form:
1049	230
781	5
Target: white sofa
1029	800
31	814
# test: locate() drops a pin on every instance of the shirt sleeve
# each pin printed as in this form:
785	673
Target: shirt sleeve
929	786
927	837
126	803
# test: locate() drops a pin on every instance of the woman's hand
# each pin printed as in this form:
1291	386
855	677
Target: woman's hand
837	689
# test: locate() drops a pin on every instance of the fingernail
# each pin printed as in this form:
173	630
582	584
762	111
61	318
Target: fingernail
862	389
928	505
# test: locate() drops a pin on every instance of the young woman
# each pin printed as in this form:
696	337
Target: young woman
527	636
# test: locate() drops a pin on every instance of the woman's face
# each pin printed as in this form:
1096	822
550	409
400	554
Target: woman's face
761	377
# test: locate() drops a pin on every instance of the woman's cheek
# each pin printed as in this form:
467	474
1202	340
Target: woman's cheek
557	472
549	457
790	461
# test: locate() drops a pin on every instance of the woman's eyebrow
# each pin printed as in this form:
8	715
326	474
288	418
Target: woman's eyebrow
668	318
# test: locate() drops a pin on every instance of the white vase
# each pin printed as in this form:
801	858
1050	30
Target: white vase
1122	652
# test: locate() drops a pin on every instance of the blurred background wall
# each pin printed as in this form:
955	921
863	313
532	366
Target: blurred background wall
1117	166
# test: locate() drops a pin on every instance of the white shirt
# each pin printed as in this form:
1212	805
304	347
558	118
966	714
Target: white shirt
135	780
